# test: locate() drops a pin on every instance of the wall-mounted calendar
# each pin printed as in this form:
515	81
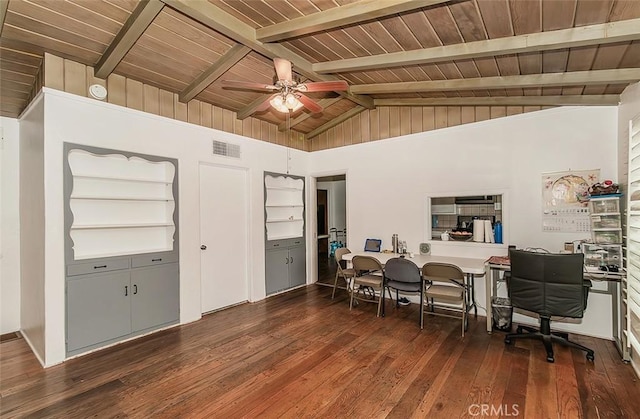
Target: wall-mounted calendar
565	198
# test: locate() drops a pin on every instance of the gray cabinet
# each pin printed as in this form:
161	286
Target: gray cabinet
277	270
98	308
297	266
285	252
103	308
121	245
285	266
154	296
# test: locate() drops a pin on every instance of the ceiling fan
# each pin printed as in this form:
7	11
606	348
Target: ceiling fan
288	95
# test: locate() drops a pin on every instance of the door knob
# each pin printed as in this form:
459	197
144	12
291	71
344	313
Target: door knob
203	247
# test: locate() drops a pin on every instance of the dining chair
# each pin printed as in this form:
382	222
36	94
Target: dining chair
404	276
368	280
445	290
342	271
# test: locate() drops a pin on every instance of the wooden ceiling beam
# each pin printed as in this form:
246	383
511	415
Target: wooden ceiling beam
574	78
221	66
569	100
335	121
4	5
217	19
325	103
133	28
620	31
361	11
248	110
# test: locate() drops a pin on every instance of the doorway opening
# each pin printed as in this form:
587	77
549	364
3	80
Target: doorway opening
331	209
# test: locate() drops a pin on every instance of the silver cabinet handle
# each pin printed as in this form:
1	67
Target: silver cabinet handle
203	247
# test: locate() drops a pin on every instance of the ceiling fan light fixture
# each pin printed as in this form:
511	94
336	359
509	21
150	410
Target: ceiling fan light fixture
286	103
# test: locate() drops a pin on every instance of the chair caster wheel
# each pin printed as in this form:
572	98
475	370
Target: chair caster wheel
507	341
550	359
590	357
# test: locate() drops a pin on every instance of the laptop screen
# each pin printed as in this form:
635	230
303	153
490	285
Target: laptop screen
372	245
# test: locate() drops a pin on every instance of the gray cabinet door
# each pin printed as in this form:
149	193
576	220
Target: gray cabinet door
155	297
297	266
98	308
277	270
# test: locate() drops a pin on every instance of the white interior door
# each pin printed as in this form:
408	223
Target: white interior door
223	236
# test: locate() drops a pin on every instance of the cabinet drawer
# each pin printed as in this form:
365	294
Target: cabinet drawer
153	259
283	244
296	242
99	266
276	244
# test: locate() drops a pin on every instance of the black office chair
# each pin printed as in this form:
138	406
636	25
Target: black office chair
403	275
551	285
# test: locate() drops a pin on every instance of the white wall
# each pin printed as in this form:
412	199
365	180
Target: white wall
33	315
388	181
9	227
71	118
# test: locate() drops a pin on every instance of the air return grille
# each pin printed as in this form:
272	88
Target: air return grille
221	148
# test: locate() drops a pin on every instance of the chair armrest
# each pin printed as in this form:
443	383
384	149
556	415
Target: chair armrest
586	284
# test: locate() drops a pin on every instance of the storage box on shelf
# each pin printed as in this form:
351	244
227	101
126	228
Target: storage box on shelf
121	245
605	219
602	255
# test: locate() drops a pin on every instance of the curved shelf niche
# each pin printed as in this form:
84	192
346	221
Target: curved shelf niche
120	205
284	207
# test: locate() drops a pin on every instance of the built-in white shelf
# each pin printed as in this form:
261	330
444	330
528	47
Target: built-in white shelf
285	237
122	179
119	198
285	188
120	205
99	226
284	207
112	254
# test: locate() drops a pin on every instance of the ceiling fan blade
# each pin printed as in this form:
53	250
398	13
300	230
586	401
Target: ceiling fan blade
248	85
323	86
310	104
266	104
283	69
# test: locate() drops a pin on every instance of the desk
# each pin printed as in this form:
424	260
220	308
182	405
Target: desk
469	266
496	264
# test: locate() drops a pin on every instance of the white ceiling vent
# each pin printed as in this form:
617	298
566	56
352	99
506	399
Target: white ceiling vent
226	149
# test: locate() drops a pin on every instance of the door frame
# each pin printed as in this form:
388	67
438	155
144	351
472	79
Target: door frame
312	242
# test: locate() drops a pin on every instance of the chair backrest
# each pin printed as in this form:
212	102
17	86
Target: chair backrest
402	270
550	284
442	272
341	251
366	263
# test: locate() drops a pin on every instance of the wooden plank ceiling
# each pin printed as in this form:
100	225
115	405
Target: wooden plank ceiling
391	52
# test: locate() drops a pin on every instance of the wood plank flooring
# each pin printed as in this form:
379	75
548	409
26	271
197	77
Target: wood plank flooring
303	355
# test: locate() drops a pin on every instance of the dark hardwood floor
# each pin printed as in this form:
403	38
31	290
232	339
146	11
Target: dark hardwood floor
301	354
